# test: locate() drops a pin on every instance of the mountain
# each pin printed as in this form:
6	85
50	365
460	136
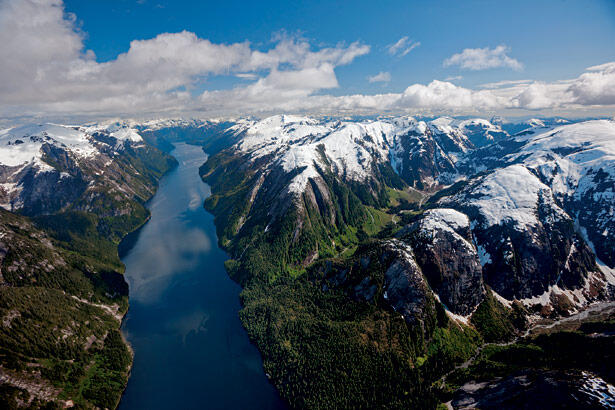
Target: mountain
331	165
523	194
70	194
472	235
541	210
49	168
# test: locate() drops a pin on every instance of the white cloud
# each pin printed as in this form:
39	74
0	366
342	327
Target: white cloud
44	67
437	97
596	87
535	96
402	46
483	58
246	76
442	95
453	78
381	77
505	83
45	70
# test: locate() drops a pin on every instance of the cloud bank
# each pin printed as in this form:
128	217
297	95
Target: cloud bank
45	70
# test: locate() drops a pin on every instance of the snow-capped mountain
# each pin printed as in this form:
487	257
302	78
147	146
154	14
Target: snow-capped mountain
47	167
538	215
539	204
418	151
577	162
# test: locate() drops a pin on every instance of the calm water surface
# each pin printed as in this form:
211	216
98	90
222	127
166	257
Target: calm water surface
191	351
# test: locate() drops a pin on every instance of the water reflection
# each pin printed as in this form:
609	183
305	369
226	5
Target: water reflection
190	349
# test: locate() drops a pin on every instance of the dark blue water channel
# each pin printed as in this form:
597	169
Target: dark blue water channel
190	350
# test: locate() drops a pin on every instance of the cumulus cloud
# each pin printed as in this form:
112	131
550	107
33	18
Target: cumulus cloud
443	95
45	70
483	58
381	77
438	97
596	87
44	66
402	46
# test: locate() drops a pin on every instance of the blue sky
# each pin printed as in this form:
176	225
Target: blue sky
554	39
549	43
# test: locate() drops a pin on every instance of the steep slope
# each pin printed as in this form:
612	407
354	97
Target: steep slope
578	163
49	168
527	243
501	246
542	209
63	294
534	199
443	242
296	190
61	313
325	173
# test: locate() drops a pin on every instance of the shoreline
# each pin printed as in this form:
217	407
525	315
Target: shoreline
123	249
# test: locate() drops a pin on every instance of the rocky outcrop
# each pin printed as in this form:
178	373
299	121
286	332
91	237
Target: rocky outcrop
526	242
405	288
383	272
443	245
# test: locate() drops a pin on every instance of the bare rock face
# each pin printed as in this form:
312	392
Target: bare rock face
405	287
526	242
384	272
442	242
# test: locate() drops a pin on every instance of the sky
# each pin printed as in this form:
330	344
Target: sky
148	58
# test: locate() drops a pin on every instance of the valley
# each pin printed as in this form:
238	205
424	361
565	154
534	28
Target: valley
307	205
183	322
389	262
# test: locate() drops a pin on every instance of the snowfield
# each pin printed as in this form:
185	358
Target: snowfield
571	155
506	195
353	148
21	146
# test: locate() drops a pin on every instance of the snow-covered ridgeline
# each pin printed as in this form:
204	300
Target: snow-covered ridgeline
353	148
560	163
569	156
21	146
41	155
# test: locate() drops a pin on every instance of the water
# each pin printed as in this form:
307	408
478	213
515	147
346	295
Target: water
191	351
